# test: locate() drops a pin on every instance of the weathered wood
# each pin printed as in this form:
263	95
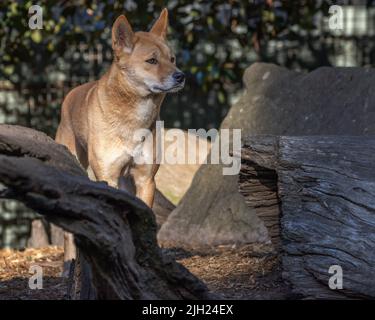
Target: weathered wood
326	189
57	236
114	231
38	235
258	183
44	234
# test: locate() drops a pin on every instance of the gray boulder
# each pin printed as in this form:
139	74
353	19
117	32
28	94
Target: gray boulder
337	101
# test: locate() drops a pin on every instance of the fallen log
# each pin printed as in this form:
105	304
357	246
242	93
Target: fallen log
44	234
317	197
115	232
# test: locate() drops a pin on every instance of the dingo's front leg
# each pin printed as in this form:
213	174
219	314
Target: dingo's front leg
144	182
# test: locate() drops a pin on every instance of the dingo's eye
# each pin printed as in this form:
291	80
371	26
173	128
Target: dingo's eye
152	61
173	59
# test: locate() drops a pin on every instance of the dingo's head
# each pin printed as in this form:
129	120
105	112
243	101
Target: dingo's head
144	58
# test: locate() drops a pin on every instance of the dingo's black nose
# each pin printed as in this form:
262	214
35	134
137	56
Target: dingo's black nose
179	77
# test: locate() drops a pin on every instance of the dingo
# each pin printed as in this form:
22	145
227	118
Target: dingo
98	118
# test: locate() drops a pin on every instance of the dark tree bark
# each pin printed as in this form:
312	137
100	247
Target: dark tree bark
258	183
44	234
114	231
324	187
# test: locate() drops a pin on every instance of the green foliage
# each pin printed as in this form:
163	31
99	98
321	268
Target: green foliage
215	40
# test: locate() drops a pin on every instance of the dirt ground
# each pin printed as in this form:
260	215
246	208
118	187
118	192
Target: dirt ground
231	273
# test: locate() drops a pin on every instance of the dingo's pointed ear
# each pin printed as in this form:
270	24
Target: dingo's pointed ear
160	27
122	35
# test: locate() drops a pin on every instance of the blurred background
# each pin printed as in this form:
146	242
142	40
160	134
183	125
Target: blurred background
214	41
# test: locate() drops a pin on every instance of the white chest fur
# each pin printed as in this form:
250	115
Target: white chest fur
146	111
135	135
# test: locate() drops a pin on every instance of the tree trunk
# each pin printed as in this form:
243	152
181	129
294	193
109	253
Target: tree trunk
114	232
38	236
321	190
258	184
44	234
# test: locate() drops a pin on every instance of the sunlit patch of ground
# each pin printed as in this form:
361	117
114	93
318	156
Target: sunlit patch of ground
232	273
249	272
15	273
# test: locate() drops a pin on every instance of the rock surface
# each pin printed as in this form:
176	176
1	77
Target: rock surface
337	101
173	180
276	101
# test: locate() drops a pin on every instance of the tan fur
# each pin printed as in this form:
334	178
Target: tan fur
98	119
